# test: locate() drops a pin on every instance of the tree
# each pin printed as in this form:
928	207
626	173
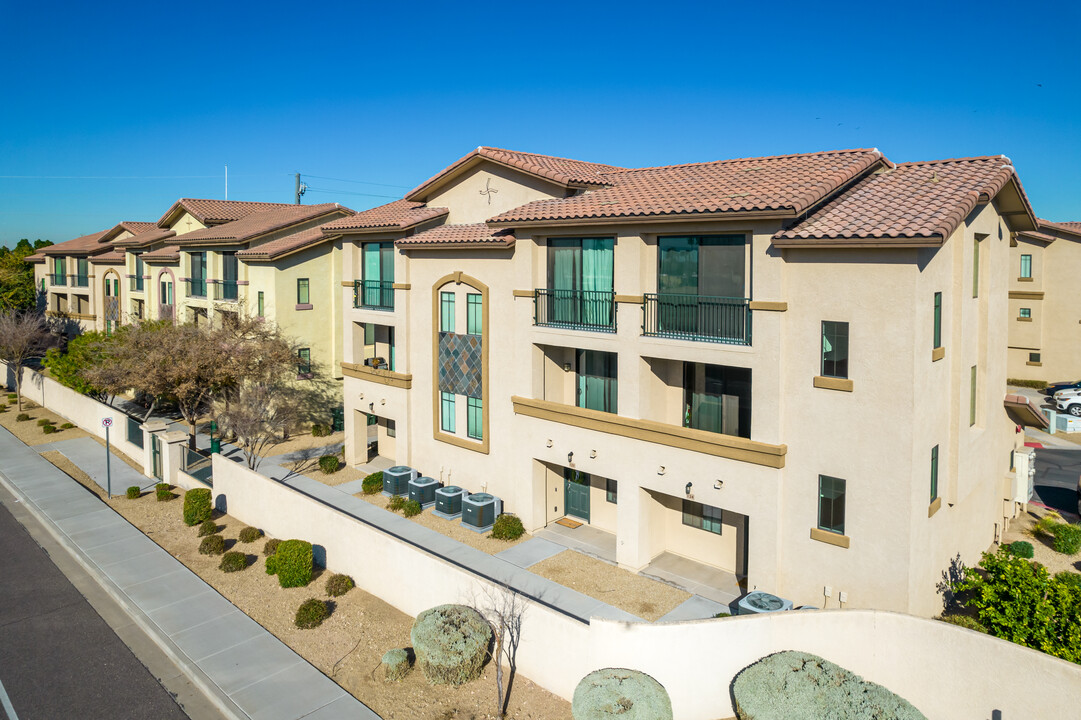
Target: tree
17	291
87	365
504	608
23	337
257	413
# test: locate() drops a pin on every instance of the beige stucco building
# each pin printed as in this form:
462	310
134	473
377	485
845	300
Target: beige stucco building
790	369
1045	323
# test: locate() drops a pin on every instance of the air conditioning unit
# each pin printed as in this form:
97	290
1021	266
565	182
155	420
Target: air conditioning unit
396	480
422	490
762	602
480	510
448	502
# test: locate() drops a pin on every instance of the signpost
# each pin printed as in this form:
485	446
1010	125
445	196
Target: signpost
107	423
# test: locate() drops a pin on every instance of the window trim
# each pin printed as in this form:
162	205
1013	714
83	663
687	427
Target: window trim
306	297
475	425
474	315
934	473
844	501
938	321
446	311
1025	313
447	410
822	346
1026	267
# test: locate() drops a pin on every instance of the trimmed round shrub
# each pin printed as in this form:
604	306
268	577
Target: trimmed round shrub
21	417
794	685
197	507
48	429
3	407
66	426
451	644
292	563
163	491
320	430
373	483
1067	538
311	614
1069	578
44	421
338	585
134	492
250	534
396	503
207	527
1046	524
212	545
233	561
508	527
1021	549
329	464
629	694
12	397
271	547
396	664
965	621
411	508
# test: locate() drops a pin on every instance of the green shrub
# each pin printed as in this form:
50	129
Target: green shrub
722	615
21	417
233	561
1036	384
1069	578
66	426
799	686
197	507
207	527
1067	538
12	397
163	491
630	694
329	464
338	585
44	421
134	492
508	527
396	503
311	614
451	643
965	621
212	545
48	429
411	508
1021	549
271	547
292	563
320	430
3	407
250	534
396	664
1046	524
372	483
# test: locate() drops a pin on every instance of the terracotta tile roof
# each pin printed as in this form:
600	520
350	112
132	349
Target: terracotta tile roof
563	171
79	246
397	215
285	245
1074	228
136	227
472	236
168	253
920	202
787	183
115	255
35	258
215	212
155	234
260	223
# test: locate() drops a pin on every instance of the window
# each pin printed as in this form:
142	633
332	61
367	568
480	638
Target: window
304	364
717	398
475	314
1026	266
972	397
392	429
446	312
166	292
703	517
938	320
137	309
580	272
934	473
710	265
140	269
260	306
1034	357
58	271
230	268
303	295
835	349
597	381
475	418
446	414
1025	313
377	275
831	504
611	490
82	271
975	267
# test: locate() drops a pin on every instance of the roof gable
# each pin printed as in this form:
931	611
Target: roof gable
214	212
400	215
258	224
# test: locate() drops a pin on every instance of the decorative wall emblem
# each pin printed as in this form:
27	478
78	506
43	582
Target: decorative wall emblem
488	190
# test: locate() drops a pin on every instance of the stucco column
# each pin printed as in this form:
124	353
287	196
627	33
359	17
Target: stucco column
632	527
172	445
150	430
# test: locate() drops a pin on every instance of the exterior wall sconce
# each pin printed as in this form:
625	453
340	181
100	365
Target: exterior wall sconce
566	367
371	407
660	470
549	443
570	457
383	401
592	453
718	484
688	489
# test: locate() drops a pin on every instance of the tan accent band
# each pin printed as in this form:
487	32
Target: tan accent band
1025	295
630	299
1024	319
1034	364
523	293
832	383
934	506
383	377
1024	279
402	286
937	354
768	305
825	536
726	446
347	283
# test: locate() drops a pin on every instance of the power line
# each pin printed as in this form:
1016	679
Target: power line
348	192
358	182
109	177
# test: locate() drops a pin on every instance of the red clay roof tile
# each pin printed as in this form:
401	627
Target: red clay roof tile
143	239
285	245
473	235
168	253
1071	227
79	246
215	212
259	223
397	215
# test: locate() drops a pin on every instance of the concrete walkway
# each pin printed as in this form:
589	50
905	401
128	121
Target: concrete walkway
243	668
89	455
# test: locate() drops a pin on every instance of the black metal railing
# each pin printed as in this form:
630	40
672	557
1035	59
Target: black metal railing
58	279
137	283
373	294
707	318
196	288
225	290
80	281
593	310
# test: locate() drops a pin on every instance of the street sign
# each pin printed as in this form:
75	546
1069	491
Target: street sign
106	422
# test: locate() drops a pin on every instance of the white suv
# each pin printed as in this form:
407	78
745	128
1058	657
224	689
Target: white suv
1069	401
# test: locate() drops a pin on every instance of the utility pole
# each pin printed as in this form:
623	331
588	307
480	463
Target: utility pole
226	182
298	189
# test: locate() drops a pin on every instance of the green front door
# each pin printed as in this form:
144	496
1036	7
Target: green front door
155	449
576	493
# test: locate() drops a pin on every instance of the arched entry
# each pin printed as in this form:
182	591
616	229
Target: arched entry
111	295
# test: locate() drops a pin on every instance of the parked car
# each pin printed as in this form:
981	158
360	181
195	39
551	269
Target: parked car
1069	404
1067	393
1055	387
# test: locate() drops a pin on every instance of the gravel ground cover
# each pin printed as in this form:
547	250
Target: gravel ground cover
1043	553
29	431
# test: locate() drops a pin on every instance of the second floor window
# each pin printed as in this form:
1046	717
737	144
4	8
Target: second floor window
834	349
446	312
717	398
580	276
475	315
938	320
476	418
1026	266
710	265
82	271
198	274
831	504
377	275
446	412
260	307
140	270
303	295
597	381
58	270
934	473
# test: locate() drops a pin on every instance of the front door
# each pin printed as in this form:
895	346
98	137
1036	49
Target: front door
155	449
576	493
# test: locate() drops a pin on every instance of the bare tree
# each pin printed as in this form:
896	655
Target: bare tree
257	413
504	608
23	337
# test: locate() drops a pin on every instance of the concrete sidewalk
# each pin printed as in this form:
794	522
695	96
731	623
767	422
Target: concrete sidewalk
244	669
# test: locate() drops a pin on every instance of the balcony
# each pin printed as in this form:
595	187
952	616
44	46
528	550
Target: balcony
592	310
58	279
80	281
226	290
373	294
197	288
136	283
704	318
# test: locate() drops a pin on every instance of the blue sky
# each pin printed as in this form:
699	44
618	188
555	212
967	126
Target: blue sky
158	98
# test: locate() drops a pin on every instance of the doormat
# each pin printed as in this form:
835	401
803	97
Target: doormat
567	522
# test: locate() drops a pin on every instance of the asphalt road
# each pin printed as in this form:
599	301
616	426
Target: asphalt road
1057	473
58	657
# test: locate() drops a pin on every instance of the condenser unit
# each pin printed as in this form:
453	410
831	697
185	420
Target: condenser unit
422	490
448	502
396	480
762	602
480	510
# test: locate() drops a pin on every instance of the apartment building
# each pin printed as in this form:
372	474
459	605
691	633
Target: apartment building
790	369
1045	323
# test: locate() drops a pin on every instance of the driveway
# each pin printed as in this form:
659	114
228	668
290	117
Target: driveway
1057	473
